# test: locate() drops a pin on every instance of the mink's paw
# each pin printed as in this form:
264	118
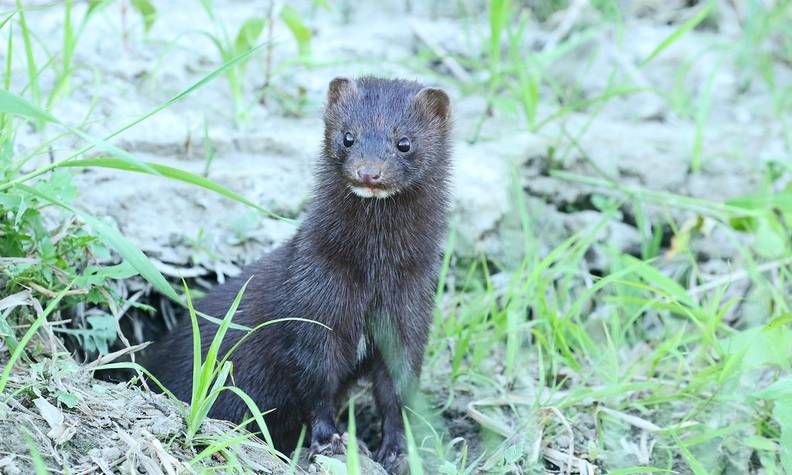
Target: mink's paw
362	448
334	445
391	457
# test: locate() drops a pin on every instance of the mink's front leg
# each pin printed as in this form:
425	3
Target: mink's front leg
325	437
389	404
316	385
400	337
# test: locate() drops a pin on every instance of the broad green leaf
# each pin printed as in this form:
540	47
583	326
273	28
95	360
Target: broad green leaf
209	369
780	321
498	14
14	104
7	333
248	34
220	446
196	340
67	399
744	223
302	34
781	389
770	237
93	5
759	347
99	334
147	11
258	416
96	275
330	465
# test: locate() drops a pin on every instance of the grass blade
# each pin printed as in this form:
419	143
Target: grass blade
679	32
32	70
35	456
6	19
413	459
219	446
199	408
694	464
251	331
174	174
5	123
210	361
196	337
302	34
296	455
258	416
11	103
353	457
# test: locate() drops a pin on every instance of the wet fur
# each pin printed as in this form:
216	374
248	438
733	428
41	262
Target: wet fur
365	267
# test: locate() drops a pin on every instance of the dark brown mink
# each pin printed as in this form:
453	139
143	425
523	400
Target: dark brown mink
364	262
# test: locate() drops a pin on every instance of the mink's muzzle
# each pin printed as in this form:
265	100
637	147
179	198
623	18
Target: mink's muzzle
372	176
369	175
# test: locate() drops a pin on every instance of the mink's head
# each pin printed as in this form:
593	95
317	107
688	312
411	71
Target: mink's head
383	137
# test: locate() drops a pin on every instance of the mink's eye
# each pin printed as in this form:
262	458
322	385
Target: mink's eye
403	145
349	139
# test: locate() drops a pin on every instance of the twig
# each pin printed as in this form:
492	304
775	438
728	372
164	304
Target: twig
97	467
182	272
4	261
570	17
448	61
104	359
52	324
739	275
634	421
51	294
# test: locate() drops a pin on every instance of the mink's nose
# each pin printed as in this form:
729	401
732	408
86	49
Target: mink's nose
369	175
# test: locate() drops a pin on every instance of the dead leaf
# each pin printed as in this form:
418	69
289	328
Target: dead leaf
59	431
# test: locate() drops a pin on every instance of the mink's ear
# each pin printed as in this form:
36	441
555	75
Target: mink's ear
339	87
434	101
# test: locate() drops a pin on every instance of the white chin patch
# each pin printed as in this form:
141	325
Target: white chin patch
365	192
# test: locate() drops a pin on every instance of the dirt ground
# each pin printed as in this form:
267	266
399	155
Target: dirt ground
269	158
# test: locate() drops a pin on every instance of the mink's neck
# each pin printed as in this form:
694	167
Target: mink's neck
402	231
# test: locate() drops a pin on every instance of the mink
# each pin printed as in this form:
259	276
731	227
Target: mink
363	262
